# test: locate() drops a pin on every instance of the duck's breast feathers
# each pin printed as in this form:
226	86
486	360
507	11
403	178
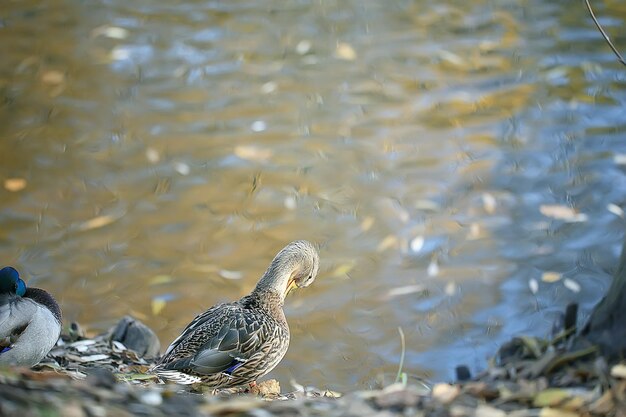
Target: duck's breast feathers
220	340
45	299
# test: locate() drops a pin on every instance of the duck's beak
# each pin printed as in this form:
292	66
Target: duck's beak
291	284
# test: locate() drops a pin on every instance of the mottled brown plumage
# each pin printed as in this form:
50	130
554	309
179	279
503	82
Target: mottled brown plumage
236	343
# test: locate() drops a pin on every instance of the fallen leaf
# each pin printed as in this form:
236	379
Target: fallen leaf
53	77
343	269
157	305
399	291
417	243
14	184
252	153
615	209
345	51
550	276
489	203
562	213
225	273
571	285
97	222
386	243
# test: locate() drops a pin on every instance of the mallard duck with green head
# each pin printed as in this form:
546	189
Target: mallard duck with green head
30	321
236	343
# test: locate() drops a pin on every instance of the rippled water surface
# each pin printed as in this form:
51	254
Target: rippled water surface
460	164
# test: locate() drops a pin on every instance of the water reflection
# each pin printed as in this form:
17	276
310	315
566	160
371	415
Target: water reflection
158	155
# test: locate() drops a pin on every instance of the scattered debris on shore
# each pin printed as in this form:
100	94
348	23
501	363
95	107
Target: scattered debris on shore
101	376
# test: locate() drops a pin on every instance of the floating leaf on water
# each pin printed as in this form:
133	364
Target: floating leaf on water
427	205
571	285
399	291
160	279
550	276
258	126
450	289
433	268
182	168
615	209
620	158
559	212
303	47
343	269
489	203
14	184
227	274
387	243
97	222
269	87
474	232
451	58
445	393
157	305
533	285
53	77
290	202
120	53
152	155
345	51
252	153
417	244
112	32
367	223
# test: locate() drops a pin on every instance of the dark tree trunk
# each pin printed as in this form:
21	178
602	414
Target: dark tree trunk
606	327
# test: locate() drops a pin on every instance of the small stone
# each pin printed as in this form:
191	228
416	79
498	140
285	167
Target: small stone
136	336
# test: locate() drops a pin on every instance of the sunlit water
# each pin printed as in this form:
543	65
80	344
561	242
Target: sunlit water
460	164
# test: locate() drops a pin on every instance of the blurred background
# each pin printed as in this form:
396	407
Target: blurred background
461	165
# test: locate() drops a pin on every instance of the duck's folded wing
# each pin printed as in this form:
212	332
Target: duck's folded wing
15	316
220	348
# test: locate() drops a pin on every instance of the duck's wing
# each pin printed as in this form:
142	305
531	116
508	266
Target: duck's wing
15	315
220	340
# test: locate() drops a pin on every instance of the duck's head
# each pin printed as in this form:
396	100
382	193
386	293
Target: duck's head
10	282
295	266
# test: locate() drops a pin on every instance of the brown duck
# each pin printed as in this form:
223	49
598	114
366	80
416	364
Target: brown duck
236	343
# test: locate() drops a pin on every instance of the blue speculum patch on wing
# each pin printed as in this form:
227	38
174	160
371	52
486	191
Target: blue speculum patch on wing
233	368
5	349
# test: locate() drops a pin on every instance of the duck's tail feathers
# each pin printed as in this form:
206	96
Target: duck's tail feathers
176	376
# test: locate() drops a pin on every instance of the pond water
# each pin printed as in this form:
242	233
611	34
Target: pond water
460	165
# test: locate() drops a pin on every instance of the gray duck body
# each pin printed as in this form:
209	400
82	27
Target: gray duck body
30	325
236	343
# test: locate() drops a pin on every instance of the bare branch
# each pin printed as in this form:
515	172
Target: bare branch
606	37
